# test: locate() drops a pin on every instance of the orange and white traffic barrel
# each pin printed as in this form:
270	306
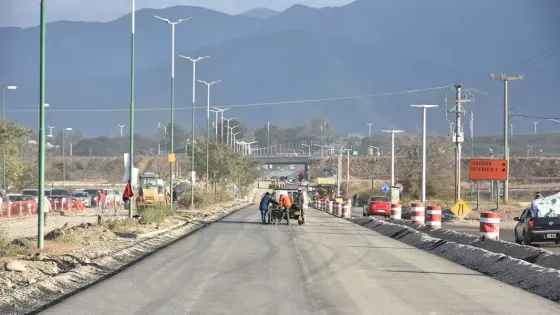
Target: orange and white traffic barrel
346	210
489	226
323	201
417	213
433	217
396	211
330	207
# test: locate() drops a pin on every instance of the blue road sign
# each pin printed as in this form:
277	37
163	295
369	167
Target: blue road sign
385	188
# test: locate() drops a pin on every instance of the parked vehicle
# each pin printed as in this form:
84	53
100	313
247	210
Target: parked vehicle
31	192
59	193
83	197
377	205
92	195
540	229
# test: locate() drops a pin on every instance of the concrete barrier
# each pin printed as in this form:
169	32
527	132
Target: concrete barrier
527	276
534	255
433	217
489	226
417	213
396	211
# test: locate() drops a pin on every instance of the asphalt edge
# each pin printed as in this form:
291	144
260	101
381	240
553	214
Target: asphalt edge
108	274
530	277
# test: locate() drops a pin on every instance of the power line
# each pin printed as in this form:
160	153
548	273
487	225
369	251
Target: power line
318	100
536	117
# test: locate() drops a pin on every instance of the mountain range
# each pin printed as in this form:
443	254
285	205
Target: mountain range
302	53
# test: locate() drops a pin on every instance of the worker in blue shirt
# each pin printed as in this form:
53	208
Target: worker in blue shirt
263	207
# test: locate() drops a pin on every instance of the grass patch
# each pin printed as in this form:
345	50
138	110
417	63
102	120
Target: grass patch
205	198
155	214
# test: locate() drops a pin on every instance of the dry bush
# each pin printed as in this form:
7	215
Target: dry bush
440	166
205	198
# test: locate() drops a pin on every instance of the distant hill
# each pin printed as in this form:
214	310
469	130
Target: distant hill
303	53
260	13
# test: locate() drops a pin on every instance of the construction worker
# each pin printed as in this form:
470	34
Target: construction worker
285	204
46	209
263	207
302	203
538	195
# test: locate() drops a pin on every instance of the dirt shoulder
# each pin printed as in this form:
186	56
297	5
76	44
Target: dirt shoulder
76	255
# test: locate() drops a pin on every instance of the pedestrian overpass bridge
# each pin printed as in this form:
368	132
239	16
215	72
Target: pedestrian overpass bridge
274	159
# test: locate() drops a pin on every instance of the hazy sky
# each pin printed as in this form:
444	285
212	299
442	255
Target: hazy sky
25	13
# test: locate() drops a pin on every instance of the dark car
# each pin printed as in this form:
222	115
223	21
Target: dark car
377	205
60	193
531	229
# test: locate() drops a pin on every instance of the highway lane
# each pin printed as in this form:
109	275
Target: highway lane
328	266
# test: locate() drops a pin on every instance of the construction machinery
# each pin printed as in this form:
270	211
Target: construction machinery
151	191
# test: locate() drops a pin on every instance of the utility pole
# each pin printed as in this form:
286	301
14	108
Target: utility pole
458	138
423	180
506	125
268	134
208	85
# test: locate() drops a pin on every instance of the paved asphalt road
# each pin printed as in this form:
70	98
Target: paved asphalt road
328	266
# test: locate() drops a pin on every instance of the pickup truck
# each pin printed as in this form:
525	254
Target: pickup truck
540	229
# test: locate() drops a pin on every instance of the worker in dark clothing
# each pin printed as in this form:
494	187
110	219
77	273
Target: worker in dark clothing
538	195
263	207
355	200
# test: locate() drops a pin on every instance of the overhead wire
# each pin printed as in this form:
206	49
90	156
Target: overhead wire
292	102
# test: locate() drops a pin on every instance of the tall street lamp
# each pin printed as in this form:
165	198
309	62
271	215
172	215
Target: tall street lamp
50	131
194	61
208	85
172	144
268	134
9	87
227	131
122	126
41	166
131	119
423	180
63	157
222	110
393	154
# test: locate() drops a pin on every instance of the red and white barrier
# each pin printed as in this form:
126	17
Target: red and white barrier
337	209
322	203
330	207
489	226
417	213
396	211
433	217
346	210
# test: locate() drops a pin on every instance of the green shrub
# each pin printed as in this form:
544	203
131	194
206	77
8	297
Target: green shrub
205	198
155	214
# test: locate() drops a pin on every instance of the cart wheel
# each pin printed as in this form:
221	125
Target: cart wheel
299	222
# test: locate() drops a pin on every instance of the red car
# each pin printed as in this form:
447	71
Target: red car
378	205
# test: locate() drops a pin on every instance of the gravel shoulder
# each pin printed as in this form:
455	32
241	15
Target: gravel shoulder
82	253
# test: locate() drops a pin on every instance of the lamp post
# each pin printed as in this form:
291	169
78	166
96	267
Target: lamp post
208	85
393	154
423	180
9	87
194	61
41	166
227	127
63	157
234	142
50	131
222	110
122	126
131	119
172	144
268	134
307	145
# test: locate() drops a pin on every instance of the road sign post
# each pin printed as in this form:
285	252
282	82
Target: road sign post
489	169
